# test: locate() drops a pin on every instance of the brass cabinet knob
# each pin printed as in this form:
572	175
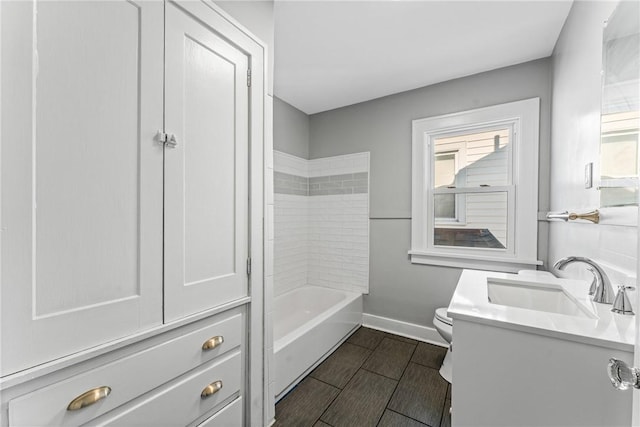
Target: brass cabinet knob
212	343
212	388
89	398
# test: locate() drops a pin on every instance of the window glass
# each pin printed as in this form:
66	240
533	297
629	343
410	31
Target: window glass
482	158
445	177
485	222
475	159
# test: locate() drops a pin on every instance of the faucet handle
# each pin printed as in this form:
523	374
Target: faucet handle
622	304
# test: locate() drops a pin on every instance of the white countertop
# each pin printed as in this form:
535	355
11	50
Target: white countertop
606	329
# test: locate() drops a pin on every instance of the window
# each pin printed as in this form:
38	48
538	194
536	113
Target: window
475	178
446	210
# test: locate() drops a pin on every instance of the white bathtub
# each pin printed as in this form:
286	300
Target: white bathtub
308	322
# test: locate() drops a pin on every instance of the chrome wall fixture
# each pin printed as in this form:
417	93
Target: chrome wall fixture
593	216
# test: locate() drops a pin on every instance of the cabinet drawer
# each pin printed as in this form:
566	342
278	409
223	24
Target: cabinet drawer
181	401
128	377
230	415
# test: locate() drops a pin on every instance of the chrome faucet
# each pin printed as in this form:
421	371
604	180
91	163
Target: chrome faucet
603	290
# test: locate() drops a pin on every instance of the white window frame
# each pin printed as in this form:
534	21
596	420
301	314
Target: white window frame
522	192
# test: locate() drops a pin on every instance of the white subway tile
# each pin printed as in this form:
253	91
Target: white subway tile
286	163
321	240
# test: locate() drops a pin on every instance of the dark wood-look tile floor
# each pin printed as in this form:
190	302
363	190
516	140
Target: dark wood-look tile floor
373	379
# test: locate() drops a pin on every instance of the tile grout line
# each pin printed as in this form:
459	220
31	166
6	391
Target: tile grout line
397	384
327	408
442	415
361	346
404	340
324	382
350	379
334	399
422	364
445	395
396	381
407	416
329	404
383	376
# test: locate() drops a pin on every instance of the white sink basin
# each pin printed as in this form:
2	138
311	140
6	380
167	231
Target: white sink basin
546	297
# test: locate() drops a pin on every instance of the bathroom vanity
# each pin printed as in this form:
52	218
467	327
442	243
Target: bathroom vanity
532	349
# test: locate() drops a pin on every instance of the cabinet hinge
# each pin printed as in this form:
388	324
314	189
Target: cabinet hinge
248	266
249	77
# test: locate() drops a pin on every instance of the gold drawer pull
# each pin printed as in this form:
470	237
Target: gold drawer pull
213	343
212	388
89	398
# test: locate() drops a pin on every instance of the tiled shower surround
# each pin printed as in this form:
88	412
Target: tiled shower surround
321	222
285	183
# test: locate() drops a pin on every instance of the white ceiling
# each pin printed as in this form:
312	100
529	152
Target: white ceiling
329	54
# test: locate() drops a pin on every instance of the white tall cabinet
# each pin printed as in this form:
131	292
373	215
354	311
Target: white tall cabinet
131	177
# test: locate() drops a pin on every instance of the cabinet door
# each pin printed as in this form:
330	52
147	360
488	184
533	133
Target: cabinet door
82	86
206	174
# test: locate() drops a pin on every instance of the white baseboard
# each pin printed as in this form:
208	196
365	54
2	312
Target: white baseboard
405	329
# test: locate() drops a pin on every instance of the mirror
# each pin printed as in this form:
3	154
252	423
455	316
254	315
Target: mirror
620	118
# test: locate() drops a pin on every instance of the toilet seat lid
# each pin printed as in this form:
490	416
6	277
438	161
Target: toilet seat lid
441	315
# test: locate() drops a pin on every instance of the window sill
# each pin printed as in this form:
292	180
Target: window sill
474	262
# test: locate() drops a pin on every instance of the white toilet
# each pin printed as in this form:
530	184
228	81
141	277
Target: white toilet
443	325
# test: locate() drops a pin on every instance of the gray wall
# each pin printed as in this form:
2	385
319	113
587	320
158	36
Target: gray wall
290	129
398	289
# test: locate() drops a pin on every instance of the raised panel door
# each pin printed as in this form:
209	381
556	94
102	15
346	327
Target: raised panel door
82	86
206	173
